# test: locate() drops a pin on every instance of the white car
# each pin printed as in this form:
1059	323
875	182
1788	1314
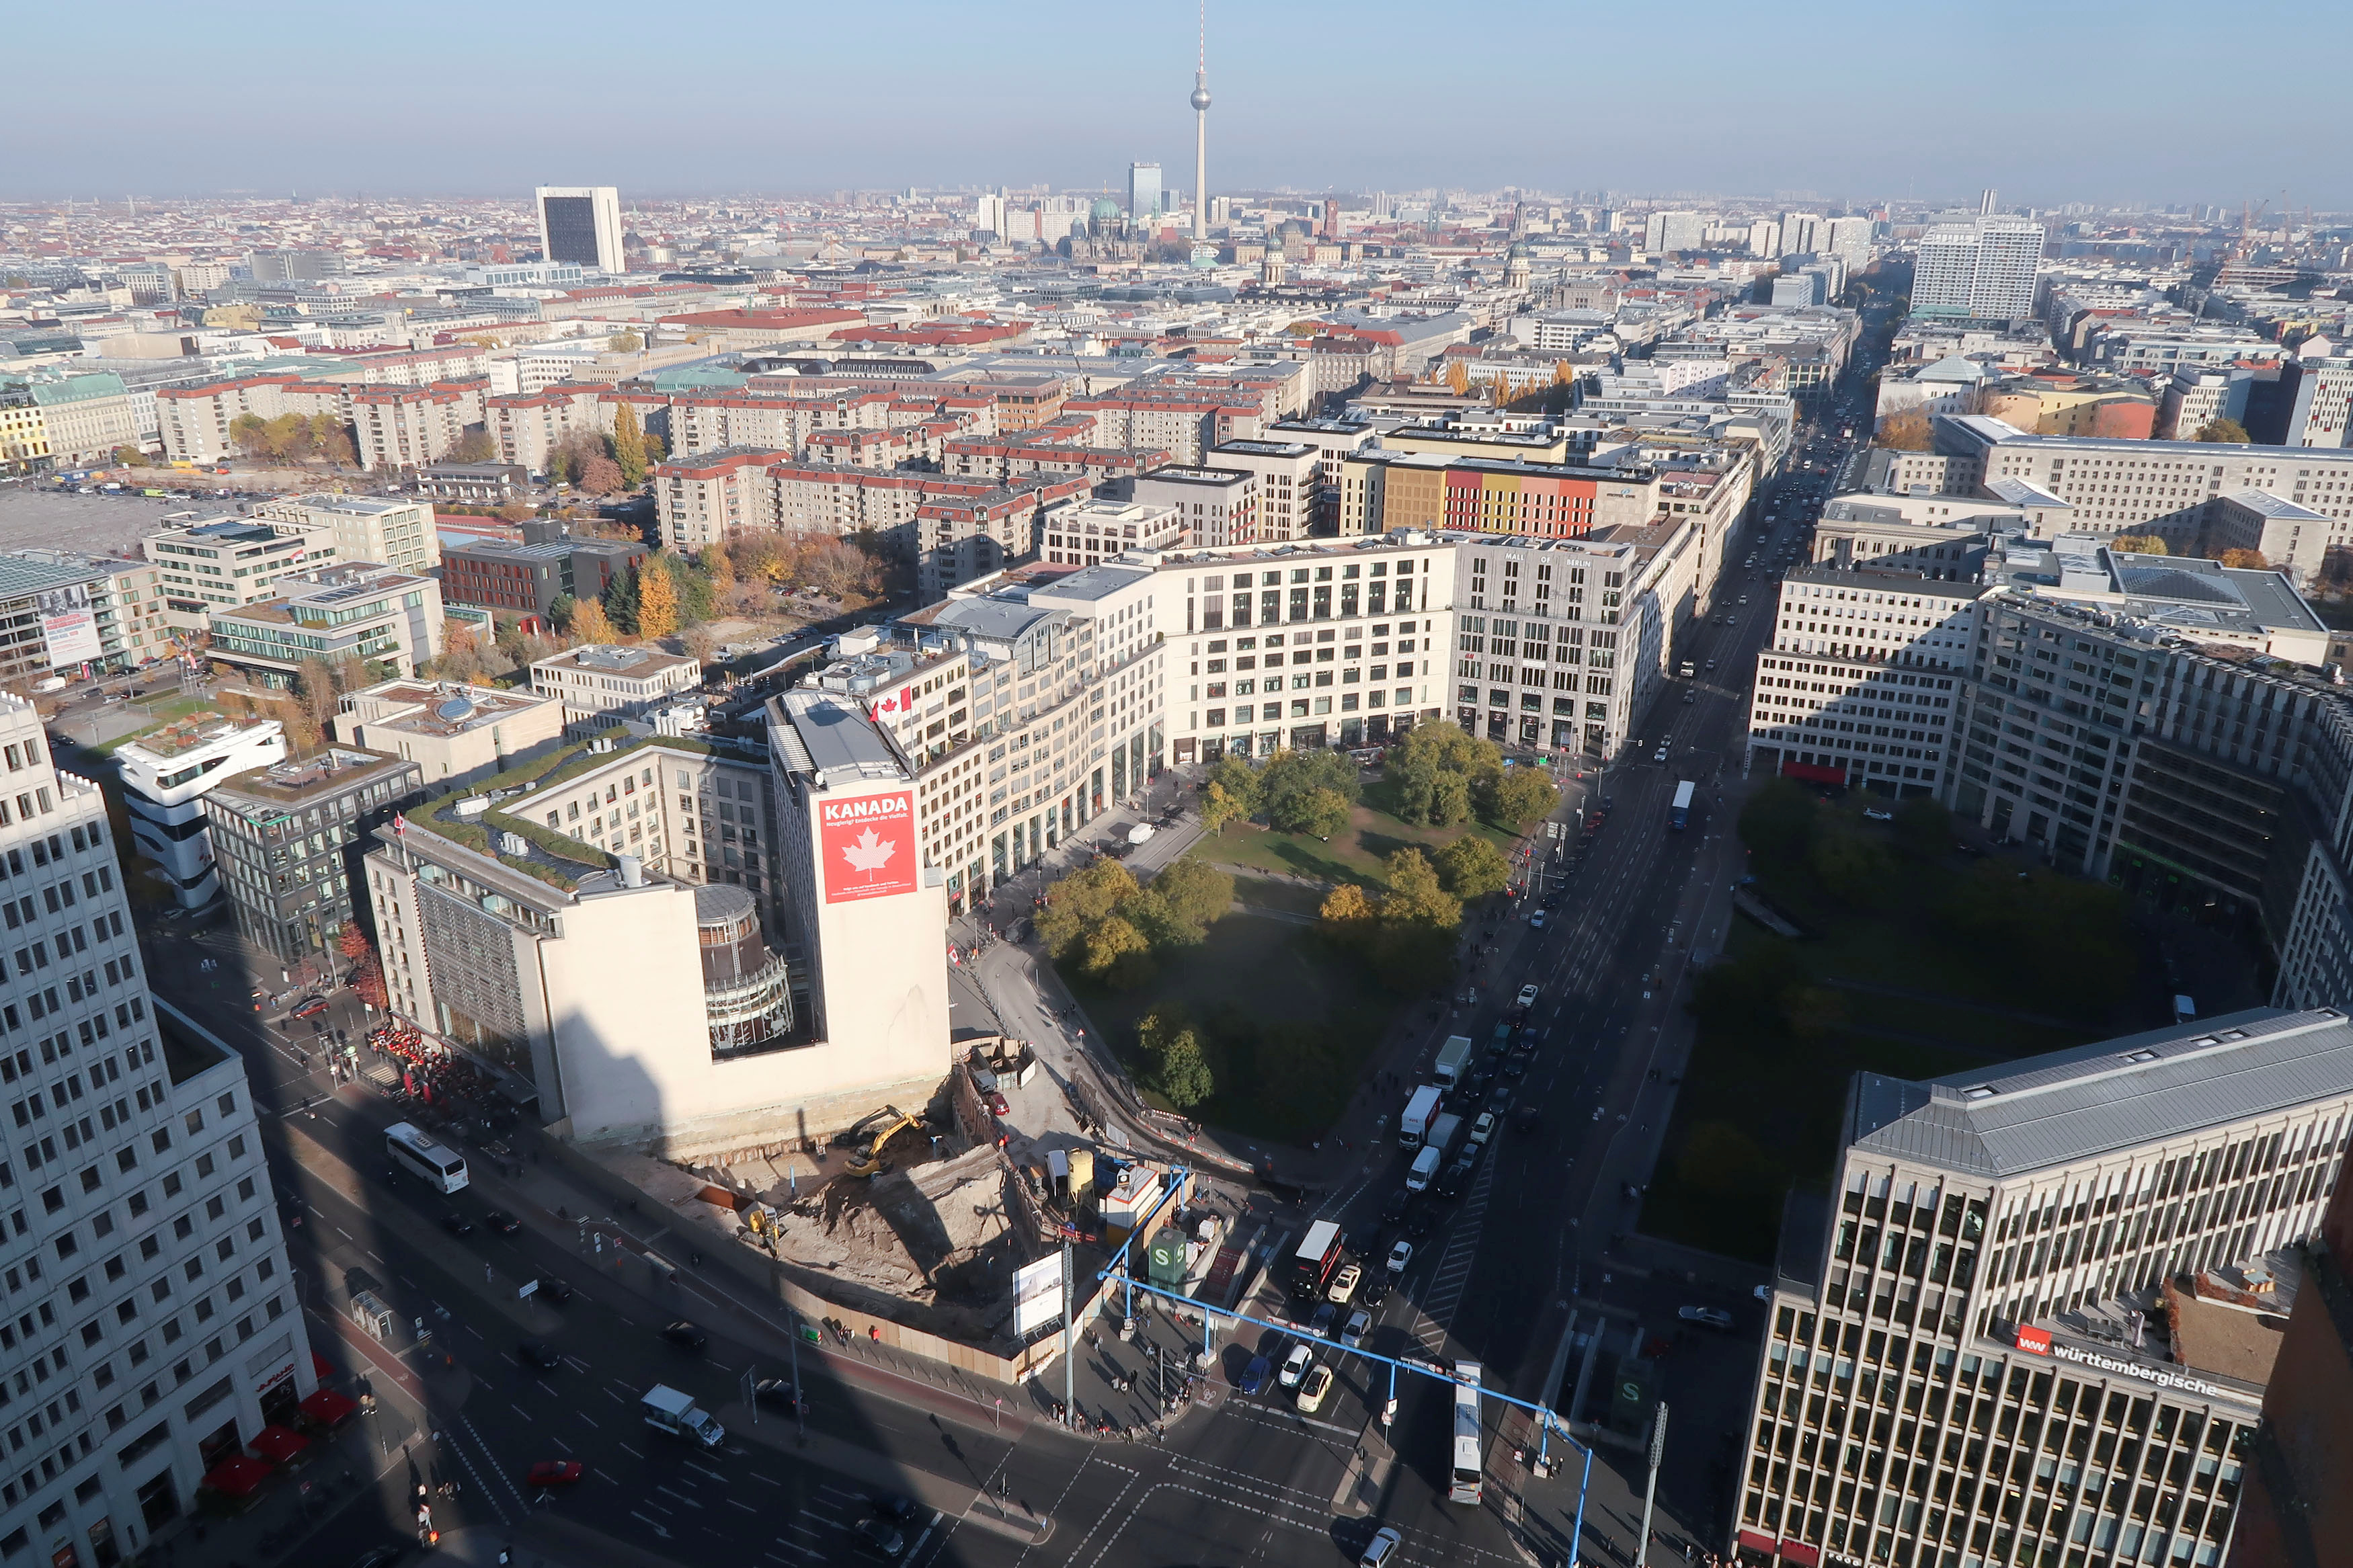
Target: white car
1400	1256
1296	1366
1661	755
1483	1129
1527	996
1344	1283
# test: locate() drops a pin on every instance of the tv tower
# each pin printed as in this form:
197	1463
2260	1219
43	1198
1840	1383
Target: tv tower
1201	133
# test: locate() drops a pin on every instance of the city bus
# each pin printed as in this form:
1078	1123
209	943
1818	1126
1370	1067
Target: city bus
1468	1462
413	1152
1317	1260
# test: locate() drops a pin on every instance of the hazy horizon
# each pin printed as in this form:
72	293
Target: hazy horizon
1827	103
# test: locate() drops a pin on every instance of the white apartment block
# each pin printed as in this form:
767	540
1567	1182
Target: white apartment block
2020	1331
1981	271
1086	532
1217	506
164	775
1289	475
600	683
155	1325
398	533
394	428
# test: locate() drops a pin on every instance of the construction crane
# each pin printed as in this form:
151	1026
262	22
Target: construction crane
893	1121
2247	217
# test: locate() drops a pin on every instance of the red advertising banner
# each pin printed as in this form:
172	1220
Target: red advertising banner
868	844
2035	1340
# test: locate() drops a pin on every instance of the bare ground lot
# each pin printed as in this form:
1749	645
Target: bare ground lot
46	518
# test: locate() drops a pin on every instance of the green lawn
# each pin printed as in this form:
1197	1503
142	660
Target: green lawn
1353	855
1762	1099
1287	1023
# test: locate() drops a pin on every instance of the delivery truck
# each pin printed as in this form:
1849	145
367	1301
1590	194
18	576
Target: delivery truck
1679	813
1415	1122
1453	1058
668	1410
1426	1164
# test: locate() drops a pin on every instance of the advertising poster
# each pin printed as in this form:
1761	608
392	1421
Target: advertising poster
868	844
68	627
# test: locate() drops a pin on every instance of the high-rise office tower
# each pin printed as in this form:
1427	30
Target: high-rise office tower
1982	270
2027	1327
1850	238
1142	192
1985	202
152	1325
581	224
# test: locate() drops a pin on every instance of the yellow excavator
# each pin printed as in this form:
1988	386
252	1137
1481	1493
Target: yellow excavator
891	1122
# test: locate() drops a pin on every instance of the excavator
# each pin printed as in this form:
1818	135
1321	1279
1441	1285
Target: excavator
884	1125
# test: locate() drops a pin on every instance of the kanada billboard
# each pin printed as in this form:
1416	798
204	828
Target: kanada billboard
869	846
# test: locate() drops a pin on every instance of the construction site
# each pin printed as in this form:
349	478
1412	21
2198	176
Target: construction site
922	1215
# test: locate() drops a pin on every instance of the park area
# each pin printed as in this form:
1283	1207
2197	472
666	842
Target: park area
1248	983
1917	960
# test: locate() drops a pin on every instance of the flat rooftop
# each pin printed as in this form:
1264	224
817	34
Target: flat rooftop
831	738
2076	1105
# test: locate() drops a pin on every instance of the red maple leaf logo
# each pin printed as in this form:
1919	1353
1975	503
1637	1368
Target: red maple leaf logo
869	852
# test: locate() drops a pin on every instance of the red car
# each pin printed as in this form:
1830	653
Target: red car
311	1008
997	1103
552	1473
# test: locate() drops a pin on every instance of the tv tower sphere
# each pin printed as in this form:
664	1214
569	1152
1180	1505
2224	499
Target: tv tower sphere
1200	97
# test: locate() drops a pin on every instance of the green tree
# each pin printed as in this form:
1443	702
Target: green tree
1415	895
628	447
1291	778
1174	1062
560	611
1777	822
1196	894
1079	903
624	344
130	458
1472	868
1924	828
1346	908
1431	770
1116	952
1184	1078
656	598
1514	797
1320	812
621	601
2139	544
474	445
1854	866
2226	430
1231	794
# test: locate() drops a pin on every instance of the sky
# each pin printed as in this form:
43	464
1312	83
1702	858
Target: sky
1821	99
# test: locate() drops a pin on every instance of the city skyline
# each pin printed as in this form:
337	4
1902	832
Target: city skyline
1841	98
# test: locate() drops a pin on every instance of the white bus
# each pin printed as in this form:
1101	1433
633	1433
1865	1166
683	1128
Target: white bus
413	1152
1468	1462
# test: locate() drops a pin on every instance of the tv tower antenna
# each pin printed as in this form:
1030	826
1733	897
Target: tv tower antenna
1201	132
